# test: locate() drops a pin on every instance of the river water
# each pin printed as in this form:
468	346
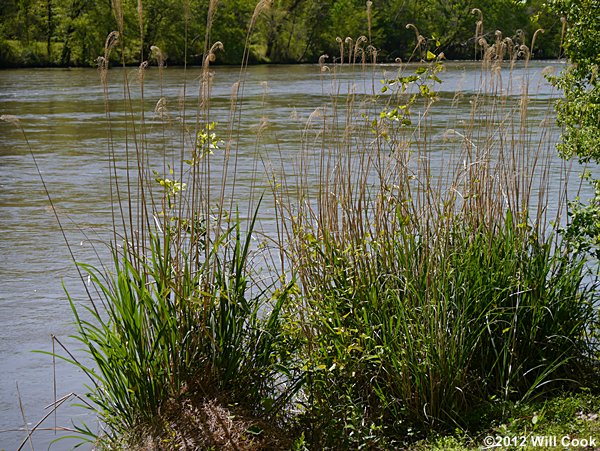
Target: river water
62	112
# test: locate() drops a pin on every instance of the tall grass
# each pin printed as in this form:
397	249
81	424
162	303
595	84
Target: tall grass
427	294
408	291
181	314
160	336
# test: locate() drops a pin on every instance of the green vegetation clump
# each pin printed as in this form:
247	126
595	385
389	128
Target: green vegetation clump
414	334
159	331
427	295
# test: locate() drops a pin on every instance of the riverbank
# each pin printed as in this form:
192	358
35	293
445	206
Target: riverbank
16	55
568	421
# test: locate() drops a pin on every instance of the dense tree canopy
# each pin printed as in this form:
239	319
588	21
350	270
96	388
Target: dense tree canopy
72	32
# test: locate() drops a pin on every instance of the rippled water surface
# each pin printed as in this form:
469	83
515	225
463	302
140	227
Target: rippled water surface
62	112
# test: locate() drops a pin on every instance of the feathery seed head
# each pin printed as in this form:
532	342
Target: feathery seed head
212	56
412	26
524	51
261	6
158	55
14	120
373	52
142	71
539	30
160	109
109	44
548	70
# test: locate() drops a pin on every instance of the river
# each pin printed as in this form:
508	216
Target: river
62	113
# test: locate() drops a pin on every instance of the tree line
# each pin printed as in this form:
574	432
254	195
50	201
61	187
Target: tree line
73	32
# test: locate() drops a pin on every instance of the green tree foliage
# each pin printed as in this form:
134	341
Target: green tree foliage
579	113
73	32
293	30
580	110
230	27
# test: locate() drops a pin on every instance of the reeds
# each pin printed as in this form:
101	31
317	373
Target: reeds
426	294
181	312
164	334
403	297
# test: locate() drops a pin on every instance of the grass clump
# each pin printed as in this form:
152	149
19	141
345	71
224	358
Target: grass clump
182	319
158	338
418	345
426	295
